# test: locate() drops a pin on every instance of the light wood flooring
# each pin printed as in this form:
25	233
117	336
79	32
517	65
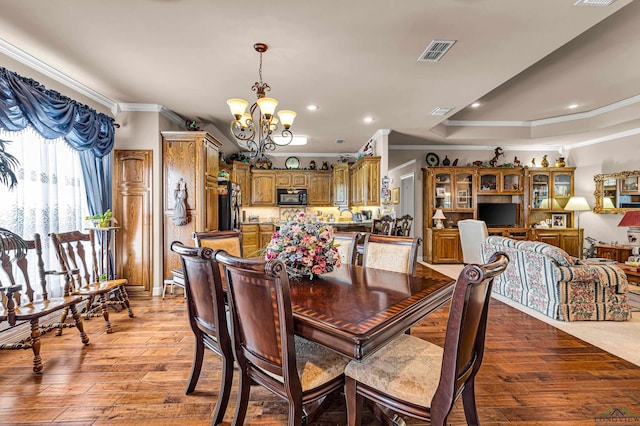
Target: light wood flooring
533	374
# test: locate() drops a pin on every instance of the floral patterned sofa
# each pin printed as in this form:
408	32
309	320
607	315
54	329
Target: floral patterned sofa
548	280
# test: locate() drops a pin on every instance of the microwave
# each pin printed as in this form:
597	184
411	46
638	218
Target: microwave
292	197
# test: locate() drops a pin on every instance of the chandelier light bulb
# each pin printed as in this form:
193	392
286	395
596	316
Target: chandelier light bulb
267	106
237	107
287	117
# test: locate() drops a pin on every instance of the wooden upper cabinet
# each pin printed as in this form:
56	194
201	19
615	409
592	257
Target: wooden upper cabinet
291	179
341	184
263	188
319	191
189	159
501	181
240	174
364	181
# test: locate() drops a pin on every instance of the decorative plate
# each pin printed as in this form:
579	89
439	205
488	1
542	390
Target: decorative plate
432	159
292	163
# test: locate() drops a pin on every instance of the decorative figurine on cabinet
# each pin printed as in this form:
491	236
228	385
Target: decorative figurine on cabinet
325	166
544	162
312	165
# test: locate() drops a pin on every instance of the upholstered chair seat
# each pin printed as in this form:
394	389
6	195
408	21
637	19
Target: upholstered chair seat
397	254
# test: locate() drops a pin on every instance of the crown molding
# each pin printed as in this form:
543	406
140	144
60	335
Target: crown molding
473	148
312	154
614	136
36	64
408	163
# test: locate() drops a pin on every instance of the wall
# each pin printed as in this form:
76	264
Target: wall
607	157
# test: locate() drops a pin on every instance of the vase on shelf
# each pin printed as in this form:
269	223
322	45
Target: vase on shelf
560	162
544	162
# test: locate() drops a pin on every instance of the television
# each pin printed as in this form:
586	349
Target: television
498	214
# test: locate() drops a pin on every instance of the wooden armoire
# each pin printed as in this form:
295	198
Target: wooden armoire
189	159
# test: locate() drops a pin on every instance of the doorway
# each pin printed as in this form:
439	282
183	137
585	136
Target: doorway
407	197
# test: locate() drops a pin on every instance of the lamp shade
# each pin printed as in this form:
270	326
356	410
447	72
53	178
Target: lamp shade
237	107
607	203
267	106
439	214
630	218
577	204
287	117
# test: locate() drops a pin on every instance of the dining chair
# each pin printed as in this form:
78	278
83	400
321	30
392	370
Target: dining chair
472	234
297	370
347	243
229	241
207	318
403	226
399	254
416	378
21	304
383	225
80	270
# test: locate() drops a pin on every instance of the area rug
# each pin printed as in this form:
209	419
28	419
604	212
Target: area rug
618	338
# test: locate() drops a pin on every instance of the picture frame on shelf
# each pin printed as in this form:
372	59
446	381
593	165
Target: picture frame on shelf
463	196
395	195
440	192
558	220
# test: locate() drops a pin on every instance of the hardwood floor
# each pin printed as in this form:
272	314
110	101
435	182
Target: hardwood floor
533	374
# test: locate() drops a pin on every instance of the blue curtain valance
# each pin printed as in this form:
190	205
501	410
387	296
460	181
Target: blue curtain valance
24	101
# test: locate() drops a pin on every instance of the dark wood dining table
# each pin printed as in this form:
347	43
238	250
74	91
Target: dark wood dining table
355	310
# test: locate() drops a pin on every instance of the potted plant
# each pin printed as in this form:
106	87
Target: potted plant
101	220
8	164
10	244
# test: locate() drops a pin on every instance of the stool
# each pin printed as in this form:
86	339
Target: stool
164	286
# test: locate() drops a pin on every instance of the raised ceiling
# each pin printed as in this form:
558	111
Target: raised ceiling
524	61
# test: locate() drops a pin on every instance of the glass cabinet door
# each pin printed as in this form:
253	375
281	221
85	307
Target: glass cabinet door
540	191
442	192
488	182
562	189
464	191
512	182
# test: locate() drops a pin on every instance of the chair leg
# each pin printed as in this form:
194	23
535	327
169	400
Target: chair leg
225	389
198	356
79	325
243	399
469	403
35	346
125	300
89	306
354	402
164	287
63	317
296	414
105	313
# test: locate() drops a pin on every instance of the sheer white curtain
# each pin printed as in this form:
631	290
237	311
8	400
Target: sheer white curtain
50	195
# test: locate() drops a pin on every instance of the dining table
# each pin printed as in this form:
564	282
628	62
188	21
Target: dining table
355	310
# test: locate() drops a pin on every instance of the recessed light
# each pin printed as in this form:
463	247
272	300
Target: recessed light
475	104
312	107
368	119
573	106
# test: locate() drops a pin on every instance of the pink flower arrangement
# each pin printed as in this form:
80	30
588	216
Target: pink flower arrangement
305	246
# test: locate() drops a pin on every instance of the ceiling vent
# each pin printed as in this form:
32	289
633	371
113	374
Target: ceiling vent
593	2
436	50
340	141
441	111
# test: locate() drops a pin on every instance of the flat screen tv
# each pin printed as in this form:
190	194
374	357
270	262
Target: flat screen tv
498	214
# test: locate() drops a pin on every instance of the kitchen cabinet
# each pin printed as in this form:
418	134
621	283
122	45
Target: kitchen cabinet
241	174
341	184
189	161
290	179
263	188
249	239
265	232
364	181
319	190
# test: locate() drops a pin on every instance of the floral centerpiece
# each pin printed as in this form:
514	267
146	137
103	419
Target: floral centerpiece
305	246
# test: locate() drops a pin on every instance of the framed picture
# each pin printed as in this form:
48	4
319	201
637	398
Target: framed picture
558	220
462	196
395	195
440	192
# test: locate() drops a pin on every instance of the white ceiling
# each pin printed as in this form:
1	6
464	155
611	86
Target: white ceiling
524	61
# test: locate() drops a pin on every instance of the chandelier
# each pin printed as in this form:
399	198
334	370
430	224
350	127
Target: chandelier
253	130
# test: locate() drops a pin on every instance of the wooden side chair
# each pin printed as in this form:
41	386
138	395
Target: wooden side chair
399	254
21	304
296	370
80	270
207	318
383	225
229	241
403	226
347	245
416	378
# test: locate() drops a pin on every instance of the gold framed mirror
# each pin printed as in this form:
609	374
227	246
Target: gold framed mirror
617	192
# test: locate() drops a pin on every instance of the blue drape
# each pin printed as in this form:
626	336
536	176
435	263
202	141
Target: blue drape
24	102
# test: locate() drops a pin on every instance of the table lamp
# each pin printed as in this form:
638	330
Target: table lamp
631	219
607	203
439	217
577	204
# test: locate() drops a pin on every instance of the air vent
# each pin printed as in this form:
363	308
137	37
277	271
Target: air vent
436	50
441	111
340	141
593	2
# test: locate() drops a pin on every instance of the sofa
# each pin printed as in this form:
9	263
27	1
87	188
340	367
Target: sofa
545	278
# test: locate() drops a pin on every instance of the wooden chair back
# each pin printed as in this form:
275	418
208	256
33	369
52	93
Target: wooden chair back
403	226
229	241
207	316
76	253
383	225
347	243
399	254
466	331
